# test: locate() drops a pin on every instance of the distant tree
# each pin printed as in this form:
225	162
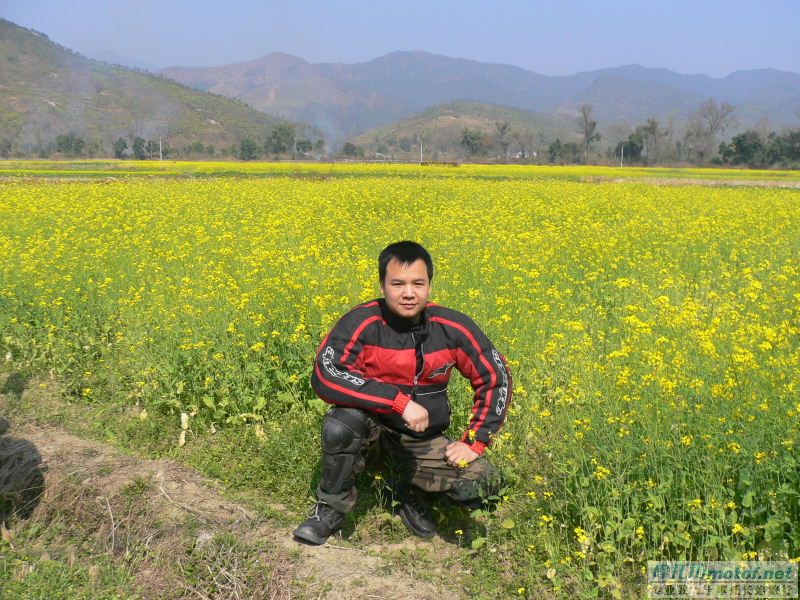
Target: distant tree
281	138
564	152
5	147
588	128
473	142
248	149
119	147
715	117
350	149
554	150
747	148
502	129
139	151
791	146
523	140
303	146
705	124
633	147
70	144
319	146
697	144
152	149
668	134
210	149
651	134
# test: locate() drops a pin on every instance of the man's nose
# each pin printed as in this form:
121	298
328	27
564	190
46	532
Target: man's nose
408	291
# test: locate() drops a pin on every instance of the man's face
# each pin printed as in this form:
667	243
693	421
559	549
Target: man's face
406	288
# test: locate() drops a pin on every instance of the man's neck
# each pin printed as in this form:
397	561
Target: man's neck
402	323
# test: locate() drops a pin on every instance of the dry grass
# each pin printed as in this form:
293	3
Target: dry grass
175	532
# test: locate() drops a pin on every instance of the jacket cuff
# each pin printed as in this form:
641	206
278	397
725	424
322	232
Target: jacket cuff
400	403
476	446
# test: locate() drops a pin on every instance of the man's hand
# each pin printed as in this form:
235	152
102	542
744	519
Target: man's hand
459	454
416	416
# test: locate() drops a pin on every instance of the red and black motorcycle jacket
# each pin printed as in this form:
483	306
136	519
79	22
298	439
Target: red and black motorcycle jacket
376	361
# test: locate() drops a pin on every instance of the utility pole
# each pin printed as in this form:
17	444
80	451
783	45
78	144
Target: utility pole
160	154
420	150
621	154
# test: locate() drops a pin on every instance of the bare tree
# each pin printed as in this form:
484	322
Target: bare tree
715	117
502	129
710	120
697	144
669	141
588	128
524	141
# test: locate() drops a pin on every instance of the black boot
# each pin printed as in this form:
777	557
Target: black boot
416	514
322	522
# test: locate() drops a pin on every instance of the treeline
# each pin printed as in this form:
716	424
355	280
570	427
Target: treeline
752	149
700	142
282	141
699	139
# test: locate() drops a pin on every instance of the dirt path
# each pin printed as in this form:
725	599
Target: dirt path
164	520
686	181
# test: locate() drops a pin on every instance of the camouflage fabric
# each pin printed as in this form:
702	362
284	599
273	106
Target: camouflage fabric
420	463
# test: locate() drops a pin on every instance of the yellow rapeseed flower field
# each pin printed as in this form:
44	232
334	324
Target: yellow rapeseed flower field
653	331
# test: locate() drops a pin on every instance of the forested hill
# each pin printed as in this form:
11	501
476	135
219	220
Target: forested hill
47	90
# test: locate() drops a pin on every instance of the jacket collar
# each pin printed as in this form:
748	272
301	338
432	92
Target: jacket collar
404	325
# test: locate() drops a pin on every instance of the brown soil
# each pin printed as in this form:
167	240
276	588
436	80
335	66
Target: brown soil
162	520
681	181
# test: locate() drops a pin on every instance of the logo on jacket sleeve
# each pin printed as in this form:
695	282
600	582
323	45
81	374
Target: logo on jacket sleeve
327	362
502	394
442	370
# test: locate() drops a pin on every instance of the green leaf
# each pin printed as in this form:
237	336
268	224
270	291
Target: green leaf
507	524
179	388
478	543
208	401
747	501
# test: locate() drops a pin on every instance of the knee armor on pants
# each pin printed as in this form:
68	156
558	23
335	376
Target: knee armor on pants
344	435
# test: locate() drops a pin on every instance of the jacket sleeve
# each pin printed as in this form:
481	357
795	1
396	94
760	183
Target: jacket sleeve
490	377
336	379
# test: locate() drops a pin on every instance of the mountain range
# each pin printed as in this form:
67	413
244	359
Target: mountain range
47	90
346	100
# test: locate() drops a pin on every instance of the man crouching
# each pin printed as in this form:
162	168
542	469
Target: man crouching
385	367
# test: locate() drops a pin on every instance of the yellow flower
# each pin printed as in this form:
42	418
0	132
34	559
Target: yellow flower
601	472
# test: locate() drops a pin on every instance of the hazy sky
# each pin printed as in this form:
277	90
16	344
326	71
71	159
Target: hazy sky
713	37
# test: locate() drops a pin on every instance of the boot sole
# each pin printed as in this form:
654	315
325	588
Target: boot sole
303	534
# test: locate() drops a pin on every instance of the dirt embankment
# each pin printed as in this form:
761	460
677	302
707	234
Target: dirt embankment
175	532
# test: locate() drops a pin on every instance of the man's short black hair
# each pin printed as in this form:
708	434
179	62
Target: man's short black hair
405	253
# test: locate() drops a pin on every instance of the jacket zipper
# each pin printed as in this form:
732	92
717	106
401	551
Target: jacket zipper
422	362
